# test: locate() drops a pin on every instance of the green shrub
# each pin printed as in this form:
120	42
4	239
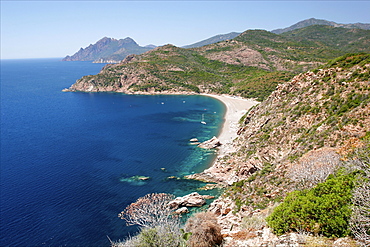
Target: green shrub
159	236
324	209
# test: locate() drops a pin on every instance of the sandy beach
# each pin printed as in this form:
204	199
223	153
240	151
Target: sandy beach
236	107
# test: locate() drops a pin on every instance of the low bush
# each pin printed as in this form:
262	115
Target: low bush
205	230
323	210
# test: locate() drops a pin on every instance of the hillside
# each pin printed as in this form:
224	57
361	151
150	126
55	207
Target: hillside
214	39
170	69
108	50
313	21
324	107
333	37
292	140
293	51
251	65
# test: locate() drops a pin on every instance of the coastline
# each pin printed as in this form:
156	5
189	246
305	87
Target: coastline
236	107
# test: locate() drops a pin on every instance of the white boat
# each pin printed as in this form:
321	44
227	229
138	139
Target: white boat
203	122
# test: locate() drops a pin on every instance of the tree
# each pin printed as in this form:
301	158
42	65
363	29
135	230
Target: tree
150	210
314	168
360	219
160	227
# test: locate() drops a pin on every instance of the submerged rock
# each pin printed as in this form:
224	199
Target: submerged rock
135	180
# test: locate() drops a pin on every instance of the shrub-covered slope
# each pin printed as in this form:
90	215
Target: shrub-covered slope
169	69
313	21
251	65
296	140
309	118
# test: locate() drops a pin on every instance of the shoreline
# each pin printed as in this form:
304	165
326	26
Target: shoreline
236	107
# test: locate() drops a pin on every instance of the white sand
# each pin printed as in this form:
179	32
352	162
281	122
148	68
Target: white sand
236	107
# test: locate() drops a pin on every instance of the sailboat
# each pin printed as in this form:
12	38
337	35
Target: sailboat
203	122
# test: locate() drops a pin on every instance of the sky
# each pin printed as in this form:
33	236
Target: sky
43	29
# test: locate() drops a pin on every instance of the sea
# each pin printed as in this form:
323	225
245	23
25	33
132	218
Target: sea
72	161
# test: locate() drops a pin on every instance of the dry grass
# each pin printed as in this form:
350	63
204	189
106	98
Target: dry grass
243	235
205	230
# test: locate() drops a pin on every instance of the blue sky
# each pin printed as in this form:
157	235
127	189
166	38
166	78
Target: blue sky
37	29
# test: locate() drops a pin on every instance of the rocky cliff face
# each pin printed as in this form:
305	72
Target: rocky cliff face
108	50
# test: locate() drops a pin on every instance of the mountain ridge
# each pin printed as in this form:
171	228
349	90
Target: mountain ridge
108	50
250	65
313	21
213	39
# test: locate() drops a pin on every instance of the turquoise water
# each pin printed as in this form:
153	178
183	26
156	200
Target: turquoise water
70	161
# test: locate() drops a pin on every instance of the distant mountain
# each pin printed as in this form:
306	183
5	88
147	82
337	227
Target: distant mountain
214	39
341	39
250	65
108	50
301	24
313	21
151	46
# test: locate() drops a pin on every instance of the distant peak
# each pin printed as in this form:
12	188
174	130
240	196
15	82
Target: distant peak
151	46
314	21
128	39
105	38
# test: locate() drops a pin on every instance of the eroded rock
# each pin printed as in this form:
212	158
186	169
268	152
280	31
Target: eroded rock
191	200
212	143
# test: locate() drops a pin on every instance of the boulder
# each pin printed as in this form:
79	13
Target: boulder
182	210
191	200
212	143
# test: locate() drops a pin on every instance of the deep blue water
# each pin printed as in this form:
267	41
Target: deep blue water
67	158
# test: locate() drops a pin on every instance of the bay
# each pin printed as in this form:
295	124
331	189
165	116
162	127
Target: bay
69	160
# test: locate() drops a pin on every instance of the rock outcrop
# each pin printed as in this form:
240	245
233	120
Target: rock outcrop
192	200
211	143
182	210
